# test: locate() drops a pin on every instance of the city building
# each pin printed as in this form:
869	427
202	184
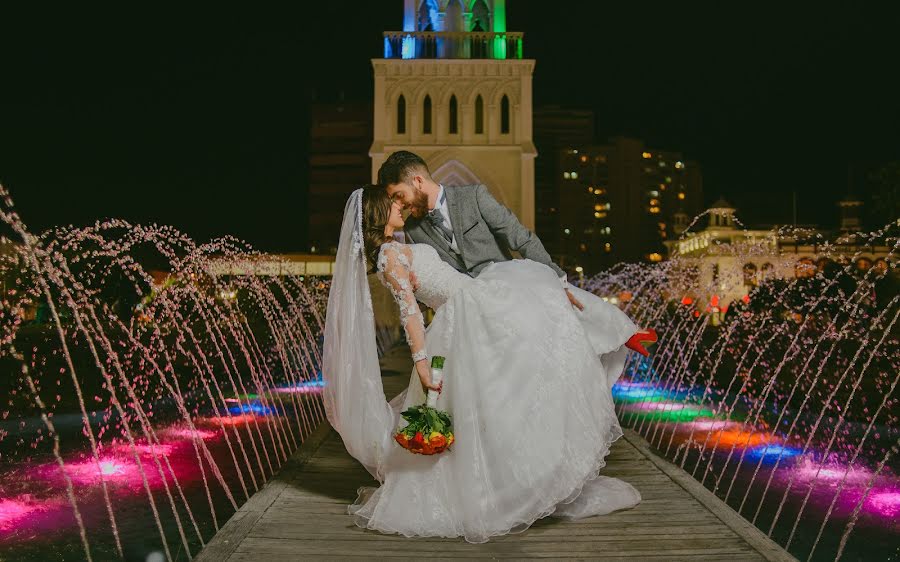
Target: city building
338	164
620	201
718	262
454	88
555	128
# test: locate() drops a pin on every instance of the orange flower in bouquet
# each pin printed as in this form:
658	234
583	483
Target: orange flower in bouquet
428	431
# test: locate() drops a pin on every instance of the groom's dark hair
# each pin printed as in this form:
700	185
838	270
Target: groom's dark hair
399	166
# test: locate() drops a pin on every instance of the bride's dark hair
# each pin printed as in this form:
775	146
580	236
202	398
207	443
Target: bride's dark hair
376	211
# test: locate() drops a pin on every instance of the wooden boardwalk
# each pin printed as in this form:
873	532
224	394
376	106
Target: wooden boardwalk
302	514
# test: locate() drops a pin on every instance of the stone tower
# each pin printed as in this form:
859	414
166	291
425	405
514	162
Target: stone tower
454	88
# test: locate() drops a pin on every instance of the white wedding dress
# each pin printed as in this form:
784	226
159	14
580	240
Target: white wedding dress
527	379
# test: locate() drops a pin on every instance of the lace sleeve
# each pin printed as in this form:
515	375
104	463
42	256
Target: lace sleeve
393	271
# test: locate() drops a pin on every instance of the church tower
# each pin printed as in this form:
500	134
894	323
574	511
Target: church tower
454	88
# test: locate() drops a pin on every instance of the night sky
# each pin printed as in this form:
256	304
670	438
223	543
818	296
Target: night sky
199	119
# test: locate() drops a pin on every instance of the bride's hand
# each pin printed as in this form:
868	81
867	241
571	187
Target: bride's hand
425	377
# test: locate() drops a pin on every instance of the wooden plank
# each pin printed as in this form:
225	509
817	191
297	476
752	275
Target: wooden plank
768	548
229	536
515	550
301	514
238	525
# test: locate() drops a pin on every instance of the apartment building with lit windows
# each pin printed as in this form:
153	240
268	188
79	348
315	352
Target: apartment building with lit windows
621	201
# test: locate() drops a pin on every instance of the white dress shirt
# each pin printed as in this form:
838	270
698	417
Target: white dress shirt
445	212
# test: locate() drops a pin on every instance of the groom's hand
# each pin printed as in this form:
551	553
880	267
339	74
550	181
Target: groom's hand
574	301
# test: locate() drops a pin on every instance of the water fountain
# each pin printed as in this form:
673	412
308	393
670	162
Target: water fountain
144	390
783	400
147	391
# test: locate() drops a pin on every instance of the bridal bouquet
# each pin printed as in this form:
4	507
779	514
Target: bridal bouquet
428	431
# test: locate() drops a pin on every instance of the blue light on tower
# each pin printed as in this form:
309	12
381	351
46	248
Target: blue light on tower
409	47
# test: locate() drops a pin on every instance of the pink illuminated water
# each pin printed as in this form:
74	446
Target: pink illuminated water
886	504
13	511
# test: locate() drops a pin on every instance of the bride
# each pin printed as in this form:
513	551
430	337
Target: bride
527	381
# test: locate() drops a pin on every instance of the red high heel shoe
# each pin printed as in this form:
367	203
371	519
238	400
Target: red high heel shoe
634	342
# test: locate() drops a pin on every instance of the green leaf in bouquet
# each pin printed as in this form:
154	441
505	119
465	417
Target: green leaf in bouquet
445	419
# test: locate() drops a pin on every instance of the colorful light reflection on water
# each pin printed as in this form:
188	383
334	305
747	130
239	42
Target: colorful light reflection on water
307	387
669	411
112	469
885	503
252	408
14	511
188	433
760	445
772	452
831	473
701	425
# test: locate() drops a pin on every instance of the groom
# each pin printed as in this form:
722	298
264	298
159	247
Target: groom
465	224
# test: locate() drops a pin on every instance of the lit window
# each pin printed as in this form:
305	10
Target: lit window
584	158
654	210
601	159
607	230
567	231
590	190
607	247
574	175
655	257
679	165
654	193
598	207
662	164
668	179
654	202
681	195
647	155
567	175
599	191
608	206
597	215
662	225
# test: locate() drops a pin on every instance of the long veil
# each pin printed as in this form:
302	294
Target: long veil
353	394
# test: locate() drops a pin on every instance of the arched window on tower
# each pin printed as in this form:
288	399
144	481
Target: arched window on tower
454	116
427	11
426	47
426	115
401	115
479	115
481	16
504	115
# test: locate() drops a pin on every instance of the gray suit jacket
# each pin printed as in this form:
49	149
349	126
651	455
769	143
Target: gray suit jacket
485	232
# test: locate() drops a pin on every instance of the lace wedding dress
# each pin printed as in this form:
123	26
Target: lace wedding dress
527	379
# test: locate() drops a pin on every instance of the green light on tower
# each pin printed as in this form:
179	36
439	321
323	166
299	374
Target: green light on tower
500	27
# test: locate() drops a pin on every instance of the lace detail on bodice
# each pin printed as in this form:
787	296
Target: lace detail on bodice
436	282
